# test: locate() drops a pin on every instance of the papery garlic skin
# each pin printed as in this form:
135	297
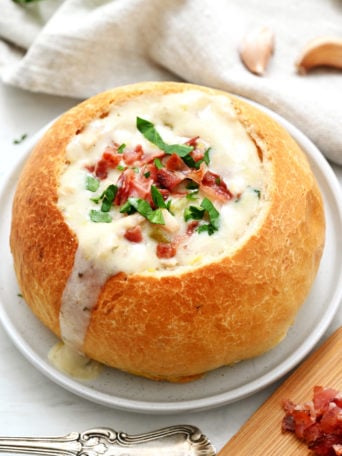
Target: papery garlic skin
256	49
322	51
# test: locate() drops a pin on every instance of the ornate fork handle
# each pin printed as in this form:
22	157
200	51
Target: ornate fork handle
183	440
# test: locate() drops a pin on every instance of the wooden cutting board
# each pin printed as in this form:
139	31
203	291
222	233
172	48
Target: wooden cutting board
261	435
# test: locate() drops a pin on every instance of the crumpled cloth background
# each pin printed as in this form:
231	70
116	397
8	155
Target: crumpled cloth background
78	48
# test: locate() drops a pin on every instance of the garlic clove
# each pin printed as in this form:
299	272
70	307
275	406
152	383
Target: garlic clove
256	49
323	51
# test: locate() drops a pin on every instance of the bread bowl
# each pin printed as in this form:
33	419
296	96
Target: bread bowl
167	229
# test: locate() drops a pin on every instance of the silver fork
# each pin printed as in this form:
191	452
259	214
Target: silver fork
182	440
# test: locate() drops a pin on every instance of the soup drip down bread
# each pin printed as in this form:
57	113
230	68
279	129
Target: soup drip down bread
173	229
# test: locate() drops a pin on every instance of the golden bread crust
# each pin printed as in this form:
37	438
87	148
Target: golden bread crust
176	327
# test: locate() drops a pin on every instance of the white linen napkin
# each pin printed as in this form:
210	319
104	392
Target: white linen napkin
80	47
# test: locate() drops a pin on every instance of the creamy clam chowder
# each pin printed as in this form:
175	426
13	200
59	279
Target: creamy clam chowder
160	185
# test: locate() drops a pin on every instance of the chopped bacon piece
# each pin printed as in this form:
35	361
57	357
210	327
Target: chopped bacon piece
323	397
132	184
192	227
192	141
197	154
101	169
148	157
211	184
175	163
169	179
166	250
134	234
318	422
110	159
132	156
197	174
217	184
90	168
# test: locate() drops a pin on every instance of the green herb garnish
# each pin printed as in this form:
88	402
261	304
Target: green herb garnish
21	139
257	191
197	164
191	185
157	197
127	208
148	130
206	157
198	213
25	1
92	184
213	214
158	164
192	195
193	213
108	197
121	148
99	217
142	206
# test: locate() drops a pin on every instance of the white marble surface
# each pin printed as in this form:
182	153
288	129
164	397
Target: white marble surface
31	404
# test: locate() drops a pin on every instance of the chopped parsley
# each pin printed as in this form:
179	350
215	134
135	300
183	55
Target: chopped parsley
143	208
25	1
20	139
192	195
108	197
92	184
157	198
121	148
99	217
188	160
198	213
193	213
152	207
191	185
257	191
158	163
148	130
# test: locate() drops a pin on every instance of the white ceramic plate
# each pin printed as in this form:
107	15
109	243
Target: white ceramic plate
225	385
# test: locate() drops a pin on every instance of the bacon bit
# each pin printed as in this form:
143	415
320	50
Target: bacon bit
132	156
192	227
192	141
197	174
197	154
175	163
131	184
101	169
134	234
166	250
150	156
110	159
168	179
90	168
213	183
318	422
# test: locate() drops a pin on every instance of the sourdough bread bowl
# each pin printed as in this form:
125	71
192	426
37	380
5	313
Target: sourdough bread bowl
167	229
